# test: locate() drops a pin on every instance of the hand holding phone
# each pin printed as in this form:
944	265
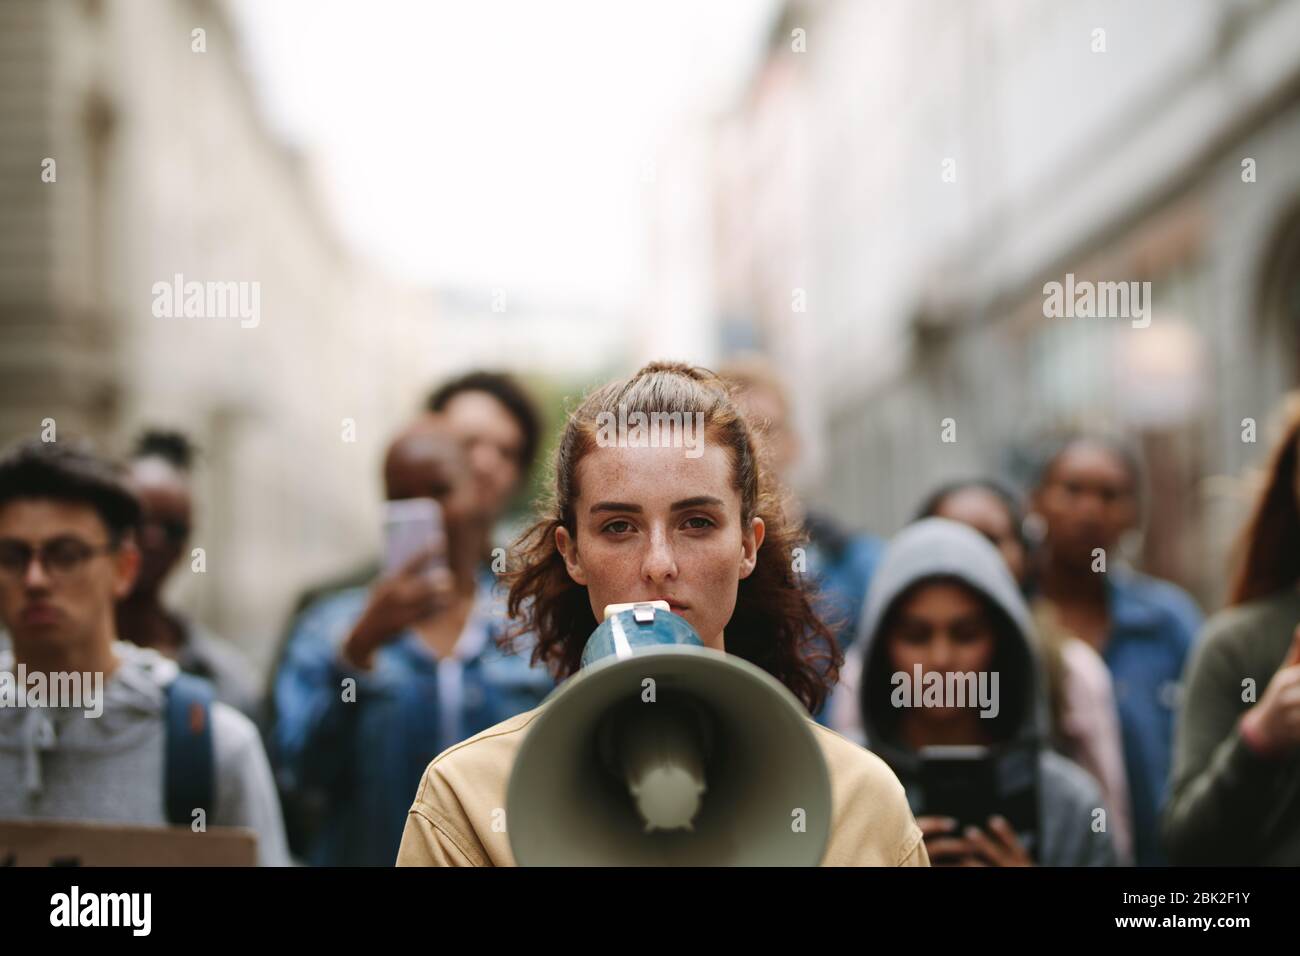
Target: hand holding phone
995	845
978	807
413	526
417	582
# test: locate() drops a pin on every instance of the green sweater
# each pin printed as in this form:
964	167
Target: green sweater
1227	805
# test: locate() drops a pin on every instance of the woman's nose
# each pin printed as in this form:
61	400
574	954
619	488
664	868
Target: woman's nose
941	653
659	561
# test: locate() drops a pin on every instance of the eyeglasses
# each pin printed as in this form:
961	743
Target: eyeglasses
59	557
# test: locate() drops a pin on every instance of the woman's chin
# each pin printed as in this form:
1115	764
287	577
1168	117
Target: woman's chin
713	640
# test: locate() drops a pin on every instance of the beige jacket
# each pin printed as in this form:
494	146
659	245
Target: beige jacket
464	789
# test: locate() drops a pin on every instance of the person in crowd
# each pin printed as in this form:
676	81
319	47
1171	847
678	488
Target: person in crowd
68	553
500	428
1087	495
1235	791
706	534
839	561
1081	696
377	680
944	603
492	415
160	477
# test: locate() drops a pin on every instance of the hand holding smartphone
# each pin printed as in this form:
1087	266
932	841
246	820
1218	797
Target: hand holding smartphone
971	786
416	583
413	526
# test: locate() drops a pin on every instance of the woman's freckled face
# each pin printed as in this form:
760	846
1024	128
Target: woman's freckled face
655	524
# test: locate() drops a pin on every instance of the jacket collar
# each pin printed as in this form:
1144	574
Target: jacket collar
484	626
1131	608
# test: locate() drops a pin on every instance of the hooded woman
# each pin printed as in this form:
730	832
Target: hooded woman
1081	696
696	523
945	613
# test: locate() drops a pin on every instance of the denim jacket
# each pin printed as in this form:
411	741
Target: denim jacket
840	566
363	746
1152	628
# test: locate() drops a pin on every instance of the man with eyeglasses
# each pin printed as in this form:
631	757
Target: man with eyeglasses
67	555
160	478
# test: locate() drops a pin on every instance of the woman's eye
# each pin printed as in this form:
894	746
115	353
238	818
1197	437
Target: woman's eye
704	522
967	635
618	527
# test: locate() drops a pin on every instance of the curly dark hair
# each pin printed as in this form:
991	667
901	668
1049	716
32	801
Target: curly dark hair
173	447
774	625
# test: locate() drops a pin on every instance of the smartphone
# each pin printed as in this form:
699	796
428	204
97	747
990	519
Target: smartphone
412	525
971	784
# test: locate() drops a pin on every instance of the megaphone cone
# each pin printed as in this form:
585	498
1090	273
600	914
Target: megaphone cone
661	751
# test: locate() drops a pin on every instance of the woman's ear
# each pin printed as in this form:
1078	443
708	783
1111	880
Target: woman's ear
750	542
568	549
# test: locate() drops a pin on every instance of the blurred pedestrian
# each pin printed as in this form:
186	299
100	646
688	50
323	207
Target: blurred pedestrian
943	608
160	477
499	426
838	562
1081	695
155	747
377	680
1087	496
1235	792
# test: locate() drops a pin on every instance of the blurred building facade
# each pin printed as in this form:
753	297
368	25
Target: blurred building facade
164	167
901	179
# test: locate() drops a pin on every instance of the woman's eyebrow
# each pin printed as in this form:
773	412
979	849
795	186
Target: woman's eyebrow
696	502
614	506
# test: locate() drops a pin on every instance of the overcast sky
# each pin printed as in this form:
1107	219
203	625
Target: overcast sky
490	142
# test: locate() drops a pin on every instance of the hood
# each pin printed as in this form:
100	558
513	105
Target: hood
940	548
132	700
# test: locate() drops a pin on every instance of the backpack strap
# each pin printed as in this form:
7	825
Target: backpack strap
189	771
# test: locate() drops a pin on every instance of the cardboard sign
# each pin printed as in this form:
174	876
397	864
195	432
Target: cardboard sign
78	843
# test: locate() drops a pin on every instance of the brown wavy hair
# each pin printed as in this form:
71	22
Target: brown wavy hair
774	625
1267	556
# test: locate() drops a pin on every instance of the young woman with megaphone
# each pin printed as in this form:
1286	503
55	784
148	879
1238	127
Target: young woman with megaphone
681	735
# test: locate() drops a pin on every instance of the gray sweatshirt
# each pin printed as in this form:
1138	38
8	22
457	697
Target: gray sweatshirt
59	764
936	548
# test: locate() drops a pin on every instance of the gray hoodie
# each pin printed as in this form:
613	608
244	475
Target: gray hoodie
939	548
59	764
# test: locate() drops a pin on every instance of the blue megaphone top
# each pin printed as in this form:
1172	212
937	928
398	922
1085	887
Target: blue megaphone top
640	626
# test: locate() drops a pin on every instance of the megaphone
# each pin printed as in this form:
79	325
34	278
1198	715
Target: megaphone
663	752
